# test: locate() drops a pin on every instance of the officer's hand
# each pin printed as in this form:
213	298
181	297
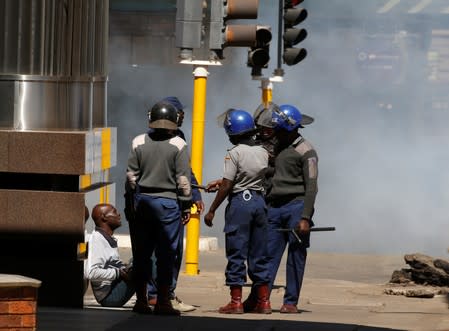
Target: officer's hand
303	227
208	218
199	206
213	186
185	217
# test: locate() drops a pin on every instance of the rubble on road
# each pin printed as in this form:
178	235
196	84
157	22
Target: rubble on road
425	278
414	291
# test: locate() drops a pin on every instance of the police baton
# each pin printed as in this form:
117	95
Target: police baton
201	187
313	229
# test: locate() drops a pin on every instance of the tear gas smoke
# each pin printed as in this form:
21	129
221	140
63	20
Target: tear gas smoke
383	148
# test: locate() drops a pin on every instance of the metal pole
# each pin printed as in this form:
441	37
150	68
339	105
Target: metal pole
198	122
280	29
279	71
267	91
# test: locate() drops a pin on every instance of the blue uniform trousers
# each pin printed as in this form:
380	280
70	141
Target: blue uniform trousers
246	239
152	286
157	227
287	216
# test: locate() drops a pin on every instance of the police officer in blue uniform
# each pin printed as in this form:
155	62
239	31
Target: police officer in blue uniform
162	202
177	303
291	200
245	215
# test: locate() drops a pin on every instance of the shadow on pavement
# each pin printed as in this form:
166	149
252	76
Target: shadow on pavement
49	319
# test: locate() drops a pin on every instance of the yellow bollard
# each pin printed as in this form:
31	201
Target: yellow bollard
192	243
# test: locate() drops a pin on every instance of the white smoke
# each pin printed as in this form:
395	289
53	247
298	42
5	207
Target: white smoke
383	152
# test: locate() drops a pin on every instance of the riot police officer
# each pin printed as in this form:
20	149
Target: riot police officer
245	216
159	172
291	200
177	303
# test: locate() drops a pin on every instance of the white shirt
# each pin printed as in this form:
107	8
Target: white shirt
103	263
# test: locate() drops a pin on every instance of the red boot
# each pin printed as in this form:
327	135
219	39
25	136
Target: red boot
235	306
263	301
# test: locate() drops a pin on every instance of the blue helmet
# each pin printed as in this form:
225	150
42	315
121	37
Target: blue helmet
175	102
238	122
289	118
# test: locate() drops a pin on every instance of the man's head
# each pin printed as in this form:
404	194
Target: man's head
238	124
163	115
106	216
263	119
289	118
174	101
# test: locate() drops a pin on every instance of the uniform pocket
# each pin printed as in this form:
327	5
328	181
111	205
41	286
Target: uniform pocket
169	211
229	228
169	203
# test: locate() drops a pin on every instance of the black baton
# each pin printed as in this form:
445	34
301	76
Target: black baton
202	187
317	229
313	229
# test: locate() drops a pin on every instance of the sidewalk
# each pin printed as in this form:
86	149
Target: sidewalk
340	292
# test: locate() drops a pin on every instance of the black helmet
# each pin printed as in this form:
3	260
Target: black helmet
163	115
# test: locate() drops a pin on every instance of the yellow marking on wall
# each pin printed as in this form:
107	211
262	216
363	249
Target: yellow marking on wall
102	194
85	181
81	251
107	194
105	148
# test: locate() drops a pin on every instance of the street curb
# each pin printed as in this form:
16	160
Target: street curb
205	243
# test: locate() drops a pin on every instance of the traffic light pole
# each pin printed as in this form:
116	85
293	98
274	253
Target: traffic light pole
267	91
200	26
279	71
200	74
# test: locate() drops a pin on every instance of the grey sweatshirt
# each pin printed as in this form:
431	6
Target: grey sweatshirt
296	175
161	168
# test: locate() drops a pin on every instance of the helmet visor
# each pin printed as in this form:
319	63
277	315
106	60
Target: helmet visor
163	124
223	117
264	114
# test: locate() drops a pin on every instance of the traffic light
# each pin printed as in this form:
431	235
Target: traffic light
222	34
189	21
259	54
293	36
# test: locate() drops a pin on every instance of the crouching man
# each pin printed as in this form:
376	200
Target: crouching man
109	276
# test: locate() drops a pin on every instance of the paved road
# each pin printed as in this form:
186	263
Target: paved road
340	292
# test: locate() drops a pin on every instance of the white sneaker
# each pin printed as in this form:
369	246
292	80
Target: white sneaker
181	306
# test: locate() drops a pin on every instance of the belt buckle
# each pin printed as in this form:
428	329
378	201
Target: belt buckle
247	195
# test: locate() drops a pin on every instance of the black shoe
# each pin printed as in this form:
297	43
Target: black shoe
142	308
